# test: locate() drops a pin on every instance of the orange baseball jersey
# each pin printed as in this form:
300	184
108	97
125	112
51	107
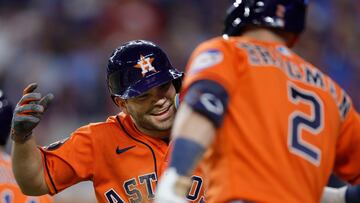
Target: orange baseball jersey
287	126
123	163
9	190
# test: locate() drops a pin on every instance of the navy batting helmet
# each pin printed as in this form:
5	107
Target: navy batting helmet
287	15
137	66
6	112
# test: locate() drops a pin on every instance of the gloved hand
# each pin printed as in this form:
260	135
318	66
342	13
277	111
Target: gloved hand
28	113
172	188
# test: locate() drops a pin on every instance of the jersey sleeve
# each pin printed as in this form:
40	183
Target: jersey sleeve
347	164
213	60
69	161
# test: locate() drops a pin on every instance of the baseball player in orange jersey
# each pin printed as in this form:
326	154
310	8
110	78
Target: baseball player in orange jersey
123	156
269	125
9	190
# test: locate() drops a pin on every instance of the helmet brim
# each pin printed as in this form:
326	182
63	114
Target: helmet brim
154	80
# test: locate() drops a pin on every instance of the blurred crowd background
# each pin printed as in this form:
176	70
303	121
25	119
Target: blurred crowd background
64	45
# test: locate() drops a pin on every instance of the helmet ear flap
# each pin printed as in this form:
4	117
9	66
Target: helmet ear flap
177	84
113	99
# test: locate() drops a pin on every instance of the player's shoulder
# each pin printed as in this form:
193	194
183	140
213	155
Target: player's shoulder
99	129
227	47
214	53
91	134
210	53
220	43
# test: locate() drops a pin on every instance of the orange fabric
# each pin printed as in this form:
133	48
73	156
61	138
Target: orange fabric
9	190
277	102
91	154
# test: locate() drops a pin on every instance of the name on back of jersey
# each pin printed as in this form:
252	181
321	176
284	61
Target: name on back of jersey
263	57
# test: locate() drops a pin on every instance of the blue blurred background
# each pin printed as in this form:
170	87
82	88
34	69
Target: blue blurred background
63	45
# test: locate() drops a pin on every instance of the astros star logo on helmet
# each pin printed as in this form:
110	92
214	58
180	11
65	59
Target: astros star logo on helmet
145	63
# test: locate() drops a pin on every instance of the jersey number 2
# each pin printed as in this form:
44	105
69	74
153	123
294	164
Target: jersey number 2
299	121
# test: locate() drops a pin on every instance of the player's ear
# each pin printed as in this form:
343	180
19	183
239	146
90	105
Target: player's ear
121	103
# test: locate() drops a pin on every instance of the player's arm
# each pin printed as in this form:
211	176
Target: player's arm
347	194
28	168
194	130
26	157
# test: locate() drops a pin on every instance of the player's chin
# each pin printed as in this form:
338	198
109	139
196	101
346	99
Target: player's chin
164	125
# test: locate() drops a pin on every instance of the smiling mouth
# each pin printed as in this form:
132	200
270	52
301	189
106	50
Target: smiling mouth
162	111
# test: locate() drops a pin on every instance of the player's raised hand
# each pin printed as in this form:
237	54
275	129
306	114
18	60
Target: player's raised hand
28	113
